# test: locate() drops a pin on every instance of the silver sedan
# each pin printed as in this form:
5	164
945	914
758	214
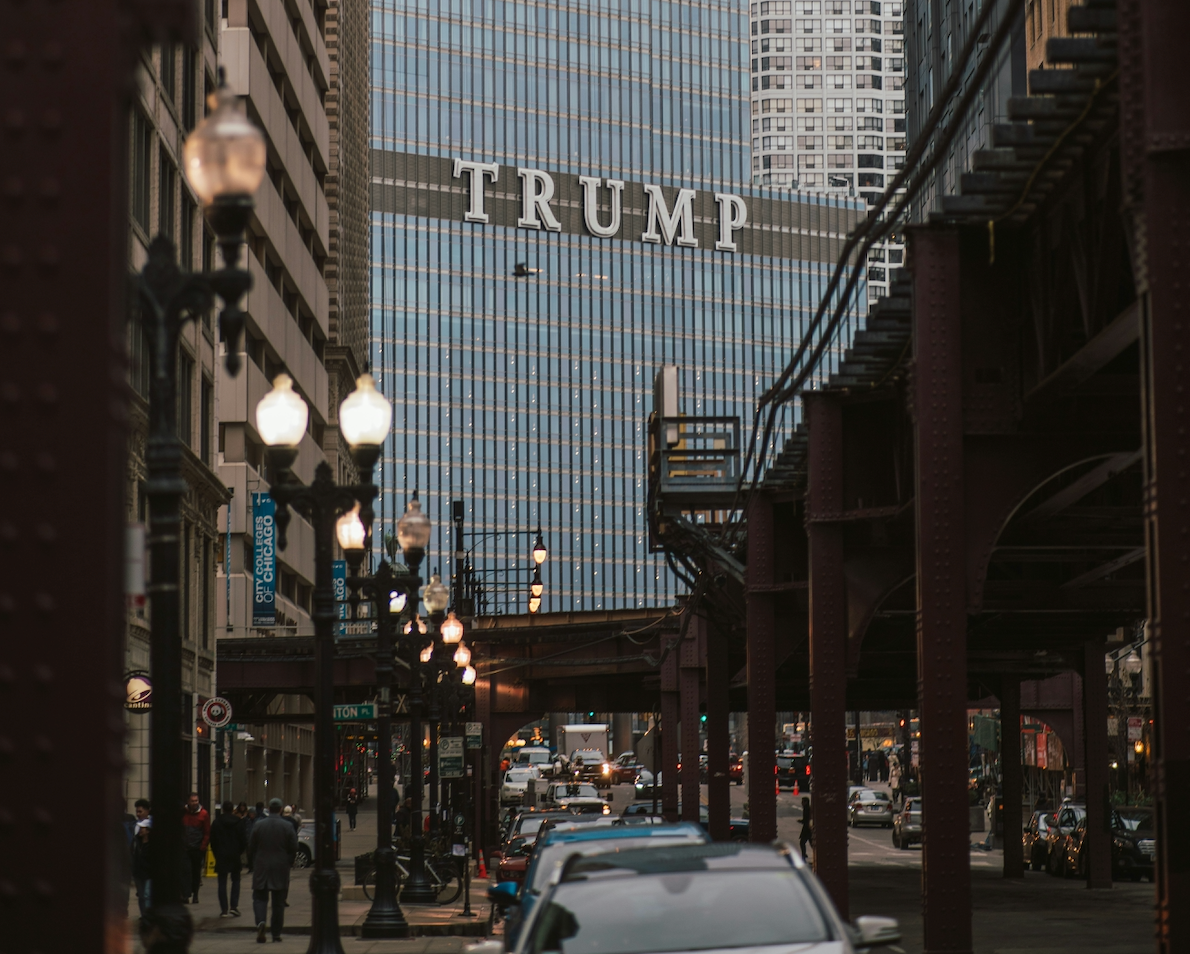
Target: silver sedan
867	807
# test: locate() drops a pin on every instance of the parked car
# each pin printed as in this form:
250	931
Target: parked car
735	769
1036	846
516	782
305	850
1133	849
1068	817
867	807
906	826
691	897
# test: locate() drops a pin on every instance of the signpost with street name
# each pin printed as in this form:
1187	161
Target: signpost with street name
358	712
450	757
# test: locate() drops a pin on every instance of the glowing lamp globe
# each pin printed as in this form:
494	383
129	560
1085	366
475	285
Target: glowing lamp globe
281	415
365	416
225	155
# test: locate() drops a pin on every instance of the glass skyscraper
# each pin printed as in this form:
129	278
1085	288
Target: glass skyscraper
561	205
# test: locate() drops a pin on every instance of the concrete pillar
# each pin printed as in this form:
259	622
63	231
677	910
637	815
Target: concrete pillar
762	686
828	645
670	709
718	741
1098	847
1010	764
941	588
622	740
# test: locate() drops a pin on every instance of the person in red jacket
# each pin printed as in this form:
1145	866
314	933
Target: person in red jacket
196	834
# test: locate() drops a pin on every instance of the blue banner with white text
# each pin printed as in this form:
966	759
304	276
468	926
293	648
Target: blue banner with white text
339	574
264	560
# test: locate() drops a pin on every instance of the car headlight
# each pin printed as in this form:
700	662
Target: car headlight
607	769
607	809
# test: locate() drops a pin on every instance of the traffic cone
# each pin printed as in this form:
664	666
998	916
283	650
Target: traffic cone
483	871
796	790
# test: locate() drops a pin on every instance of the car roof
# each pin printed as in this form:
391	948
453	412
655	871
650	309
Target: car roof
605	832
666	859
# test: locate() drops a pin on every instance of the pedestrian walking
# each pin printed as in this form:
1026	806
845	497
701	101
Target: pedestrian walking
894	778
196	835
271	851
228	843
352	808
807	834
139	852
403	820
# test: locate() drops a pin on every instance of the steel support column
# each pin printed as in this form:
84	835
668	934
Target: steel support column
689	669
1157	128
1012	774
669	734
762	676
828	645
1098	846
718	741
941	588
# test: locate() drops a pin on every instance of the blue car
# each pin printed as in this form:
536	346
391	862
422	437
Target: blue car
558	844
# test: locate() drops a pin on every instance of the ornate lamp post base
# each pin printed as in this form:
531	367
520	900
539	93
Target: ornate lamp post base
384	917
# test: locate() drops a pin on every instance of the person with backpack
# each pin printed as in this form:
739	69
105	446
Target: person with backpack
228	843
352	807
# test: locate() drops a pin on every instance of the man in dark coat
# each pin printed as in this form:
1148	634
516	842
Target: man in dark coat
228	843
271	851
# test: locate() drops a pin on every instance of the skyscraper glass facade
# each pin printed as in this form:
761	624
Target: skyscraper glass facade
520	314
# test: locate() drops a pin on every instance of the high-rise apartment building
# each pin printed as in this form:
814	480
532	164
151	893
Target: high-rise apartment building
562	203
293	62
167	102
828	103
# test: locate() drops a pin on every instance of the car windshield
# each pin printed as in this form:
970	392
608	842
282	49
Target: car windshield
576	790
539	757
528	824
767	908
1136	820
520	775
587	755
873	797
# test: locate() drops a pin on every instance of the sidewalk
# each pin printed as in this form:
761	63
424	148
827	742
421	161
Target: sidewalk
437	929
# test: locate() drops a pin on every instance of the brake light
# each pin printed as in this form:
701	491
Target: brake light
807	770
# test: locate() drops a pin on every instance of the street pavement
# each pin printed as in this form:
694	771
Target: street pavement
1034	915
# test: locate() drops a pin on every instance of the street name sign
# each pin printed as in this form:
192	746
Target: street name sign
361	712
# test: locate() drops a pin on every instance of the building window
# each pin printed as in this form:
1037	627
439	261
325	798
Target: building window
810	62
206	421
189	90
838	26
864	81
868	63
809	81
871	142
869	161
809	124
839	124
206	594
809	142
838	7
139	366
166	195
809	44
185	384
142	165
838	44
809	105
876	274
169	71
864	105
871	180
838	105
186	238
840	142
838	81
809	26
838	160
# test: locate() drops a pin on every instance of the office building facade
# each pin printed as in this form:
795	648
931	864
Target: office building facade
828	103
166	104
561	204
293	62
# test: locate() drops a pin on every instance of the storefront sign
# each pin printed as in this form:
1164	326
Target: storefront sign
216	712
264	560
138	691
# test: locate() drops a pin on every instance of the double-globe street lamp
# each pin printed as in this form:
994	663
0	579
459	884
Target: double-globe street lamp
364	421
224	164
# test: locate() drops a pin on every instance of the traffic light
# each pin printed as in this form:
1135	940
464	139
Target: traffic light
201	729
591	714
703	717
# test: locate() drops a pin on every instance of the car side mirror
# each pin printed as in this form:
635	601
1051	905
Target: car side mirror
503	894
877	931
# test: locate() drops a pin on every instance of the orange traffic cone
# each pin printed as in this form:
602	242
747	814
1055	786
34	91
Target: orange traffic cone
483	871
796	790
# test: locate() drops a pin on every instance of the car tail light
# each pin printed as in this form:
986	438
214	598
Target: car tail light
807	770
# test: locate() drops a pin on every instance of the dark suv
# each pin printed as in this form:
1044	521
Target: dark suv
793	768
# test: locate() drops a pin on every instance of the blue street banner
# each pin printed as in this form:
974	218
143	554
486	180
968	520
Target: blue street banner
264	560
339	574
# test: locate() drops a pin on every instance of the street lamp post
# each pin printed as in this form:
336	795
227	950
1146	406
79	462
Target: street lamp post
388	590
225	159
437	598
364	420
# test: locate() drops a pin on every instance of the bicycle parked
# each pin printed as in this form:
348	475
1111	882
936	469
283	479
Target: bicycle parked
442	872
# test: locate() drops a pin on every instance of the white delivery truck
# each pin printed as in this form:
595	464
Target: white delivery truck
585	748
